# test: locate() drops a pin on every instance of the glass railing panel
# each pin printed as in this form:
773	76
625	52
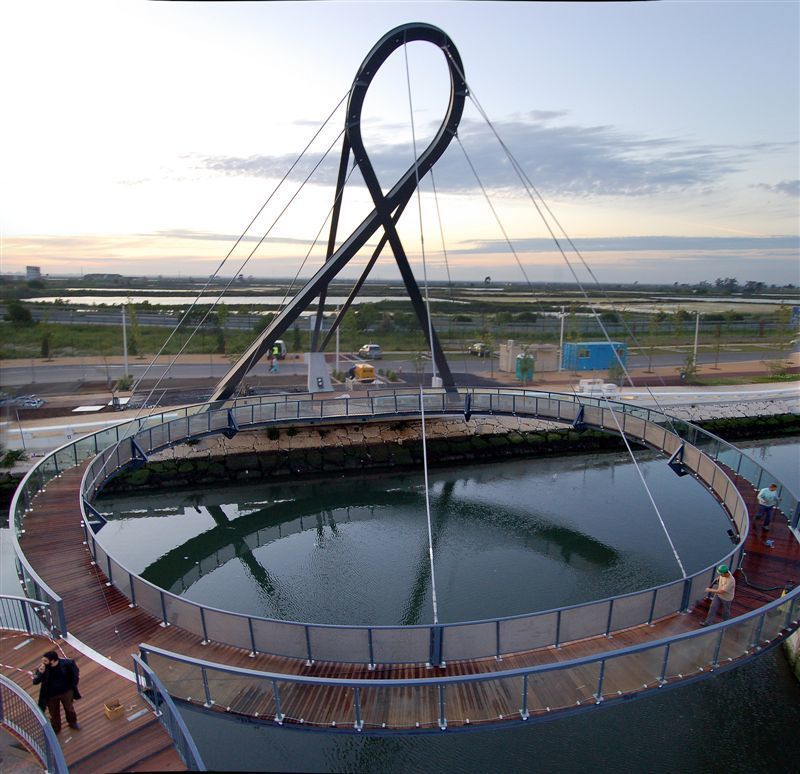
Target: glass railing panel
178	430
181	612
309	409
535	631
384	404
584	621
559	688
737	639
85	448
707	470
402	707
121	578
475	640
182	680
697	591
631	610
592	414
148	597
279	638
481	401
773	624
689	656
633	426
630	673
655	435
401	646
749	469
198	424
65	458
668	600
227	628
47	470
106	438
339	644
243	694
322	706
158	437
484	701
729	456
218	420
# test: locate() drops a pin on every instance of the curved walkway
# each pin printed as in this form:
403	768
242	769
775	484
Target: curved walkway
100	616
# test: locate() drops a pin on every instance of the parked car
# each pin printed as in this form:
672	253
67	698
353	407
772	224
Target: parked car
30	402
479	348
278	349
371	352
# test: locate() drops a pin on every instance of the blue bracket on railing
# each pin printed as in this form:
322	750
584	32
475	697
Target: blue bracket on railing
139	457
468	407
578	424
232	427
98	519
676	462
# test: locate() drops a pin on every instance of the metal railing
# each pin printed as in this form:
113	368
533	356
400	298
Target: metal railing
26	615
20	715
119	446
152	690
513	695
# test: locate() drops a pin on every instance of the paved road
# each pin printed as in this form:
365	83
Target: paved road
33	372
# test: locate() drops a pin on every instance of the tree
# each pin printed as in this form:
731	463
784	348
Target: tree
296	340
18	314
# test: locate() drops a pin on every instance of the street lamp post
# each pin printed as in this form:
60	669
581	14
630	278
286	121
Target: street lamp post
561	343
696	334
124	344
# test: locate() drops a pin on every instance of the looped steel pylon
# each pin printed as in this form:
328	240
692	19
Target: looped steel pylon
385	215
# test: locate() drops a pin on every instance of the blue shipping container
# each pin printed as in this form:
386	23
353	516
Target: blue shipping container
593	355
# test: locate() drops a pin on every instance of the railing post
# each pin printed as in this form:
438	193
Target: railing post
523	713
203	624
652	608
276	693
359	724
717	647
252	636
759	625
165	622
442	718
436	646
62	617
599	694
687	591
663	677
206	688
26	617
610	614
371	664
309	660
497	640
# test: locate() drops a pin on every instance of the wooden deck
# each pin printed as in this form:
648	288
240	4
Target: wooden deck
100	616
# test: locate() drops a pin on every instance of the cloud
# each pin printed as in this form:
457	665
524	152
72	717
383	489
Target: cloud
558	158
637	244
788	187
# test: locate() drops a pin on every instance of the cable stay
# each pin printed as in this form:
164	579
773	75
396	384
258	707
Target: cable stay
604	398
430	339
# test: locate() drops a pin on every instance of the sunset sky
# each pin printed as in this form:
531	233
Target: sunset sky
142	137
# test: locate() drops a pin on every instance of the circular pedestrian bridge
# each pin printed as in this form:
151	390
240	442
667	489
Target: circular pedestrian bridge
430	677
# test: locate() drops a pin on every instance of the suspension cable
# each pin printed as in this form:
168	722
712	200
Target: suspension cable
430	339
517	168
238	240
251	360
227	286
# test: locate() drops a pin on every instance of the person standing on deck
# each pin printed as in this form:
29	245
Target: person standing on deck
767	500
723	593
58	678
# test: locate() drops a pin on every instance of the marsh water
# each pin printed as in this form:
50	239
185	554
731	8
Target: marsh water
508	538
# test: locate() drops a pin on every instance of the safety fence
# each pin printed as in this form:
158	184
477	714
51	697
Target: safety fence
20	716
706	456
434	703
152	690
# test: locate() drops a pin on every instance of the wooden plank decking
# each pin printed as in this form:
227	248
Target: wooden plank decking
100	616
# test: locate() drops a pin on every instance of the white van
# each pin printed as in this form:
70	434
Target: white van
371	352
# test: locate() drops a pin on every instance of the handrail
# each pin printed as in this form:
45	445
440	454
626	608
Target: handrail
703	651
256	633
391	403
152	690
26	615
20	715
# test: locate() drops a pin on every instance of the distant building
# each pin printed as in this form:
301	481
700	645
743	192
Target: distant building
33	272
593	355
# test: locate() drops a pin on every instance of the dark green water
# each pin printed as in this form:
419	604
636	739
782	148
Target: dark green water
529	540
508	538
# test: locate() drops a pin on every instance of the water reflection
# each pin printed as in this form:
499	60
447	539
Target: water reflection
508	538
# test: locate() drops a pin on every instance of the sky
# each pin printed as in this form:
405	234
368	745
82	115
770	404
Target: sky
142	138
